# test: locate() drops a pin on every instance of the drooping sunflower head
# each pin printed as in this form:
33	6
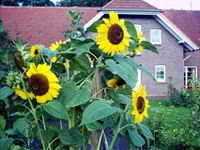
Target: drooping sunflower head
115	83
113	36
140	104
35	51
140	37
42	82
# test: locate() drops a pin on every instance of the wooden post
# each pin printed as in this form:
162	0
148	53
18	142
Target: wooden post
95	135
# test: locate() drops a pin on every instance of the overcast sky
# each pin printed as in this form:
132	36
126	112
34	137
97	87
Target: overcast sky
176	4
172	4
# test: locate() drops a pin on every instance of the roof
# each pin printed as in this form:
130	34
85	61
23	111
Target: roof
40	25
129	5
187	21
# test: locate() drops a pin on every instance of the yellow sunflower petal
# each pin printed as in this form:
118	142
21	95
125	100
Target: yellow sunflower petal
107	22
113	17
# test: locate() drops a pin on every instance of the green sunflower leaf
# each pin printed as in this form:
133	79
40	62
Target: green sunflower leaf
131	30
5	92
146	71
136	139
97	110
84	46
147	45
93	27
1	26
71	96
5	143
81	63
56	109
71	137
47	52
126	69
23	125
145	131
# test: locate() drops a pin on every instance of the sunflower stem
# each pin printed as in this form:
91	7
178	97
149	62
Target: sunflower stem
34	115
118	128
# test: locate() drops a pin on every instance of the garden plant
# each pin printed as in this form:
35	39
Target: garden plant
67	95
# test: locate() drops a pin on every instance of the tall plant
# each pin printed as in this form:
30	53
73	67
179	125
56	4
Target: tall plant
78	87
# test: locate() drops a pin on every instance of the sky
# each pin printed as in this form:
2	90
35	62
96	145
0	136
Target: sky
173	4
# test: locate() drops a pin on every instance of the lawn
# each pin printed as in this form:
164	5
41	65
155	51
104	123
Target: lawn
172	115
172	127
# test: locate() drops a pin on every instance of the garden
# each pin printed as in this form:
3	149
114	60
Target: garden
78	94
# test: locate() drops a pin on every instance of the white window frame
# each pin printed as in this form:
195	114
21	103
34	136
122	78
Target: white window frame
158	36
164	73
186	74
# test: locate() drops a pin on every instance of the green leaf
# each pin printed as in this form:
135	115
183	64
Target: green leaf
5	143
47	135
56	109
146	71
136	139
124	99
94	126
47	52
131	30
93	27
71	137
126	69
81	63
58	67
2	123
84	46
5	92
147	45
4	56
1	26
73	97
97	110
23	125
146	132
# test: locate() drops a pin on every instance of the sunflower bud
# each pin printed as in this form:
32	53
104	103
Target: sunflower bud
19	62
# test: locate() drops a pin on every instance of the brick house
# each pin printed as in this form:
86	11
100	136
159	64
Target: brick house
168	30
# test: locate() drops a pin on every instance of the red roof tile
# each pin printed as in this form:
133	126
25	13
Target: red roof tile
129	4
186	21
40	25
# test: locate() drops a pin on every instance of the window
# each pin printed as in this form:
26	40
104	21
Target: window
160	73
155	36
189	72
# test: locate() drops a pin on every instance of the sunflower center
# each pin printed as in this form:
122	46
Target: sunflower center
36	52
115	34
140	105
38	84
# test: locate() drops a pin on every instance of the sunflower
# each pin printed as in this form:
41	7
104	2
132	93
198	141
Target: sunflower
140	37
140	104
115	83
21	93
55	46
42	82
35	51
112	35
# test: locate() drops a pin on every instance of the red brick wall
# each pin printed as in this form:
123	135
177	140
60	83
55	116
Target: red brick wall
193	60
170	55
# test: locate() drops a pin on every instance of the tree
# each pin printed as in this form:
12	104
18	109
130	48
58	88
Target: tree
27	3
88	3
